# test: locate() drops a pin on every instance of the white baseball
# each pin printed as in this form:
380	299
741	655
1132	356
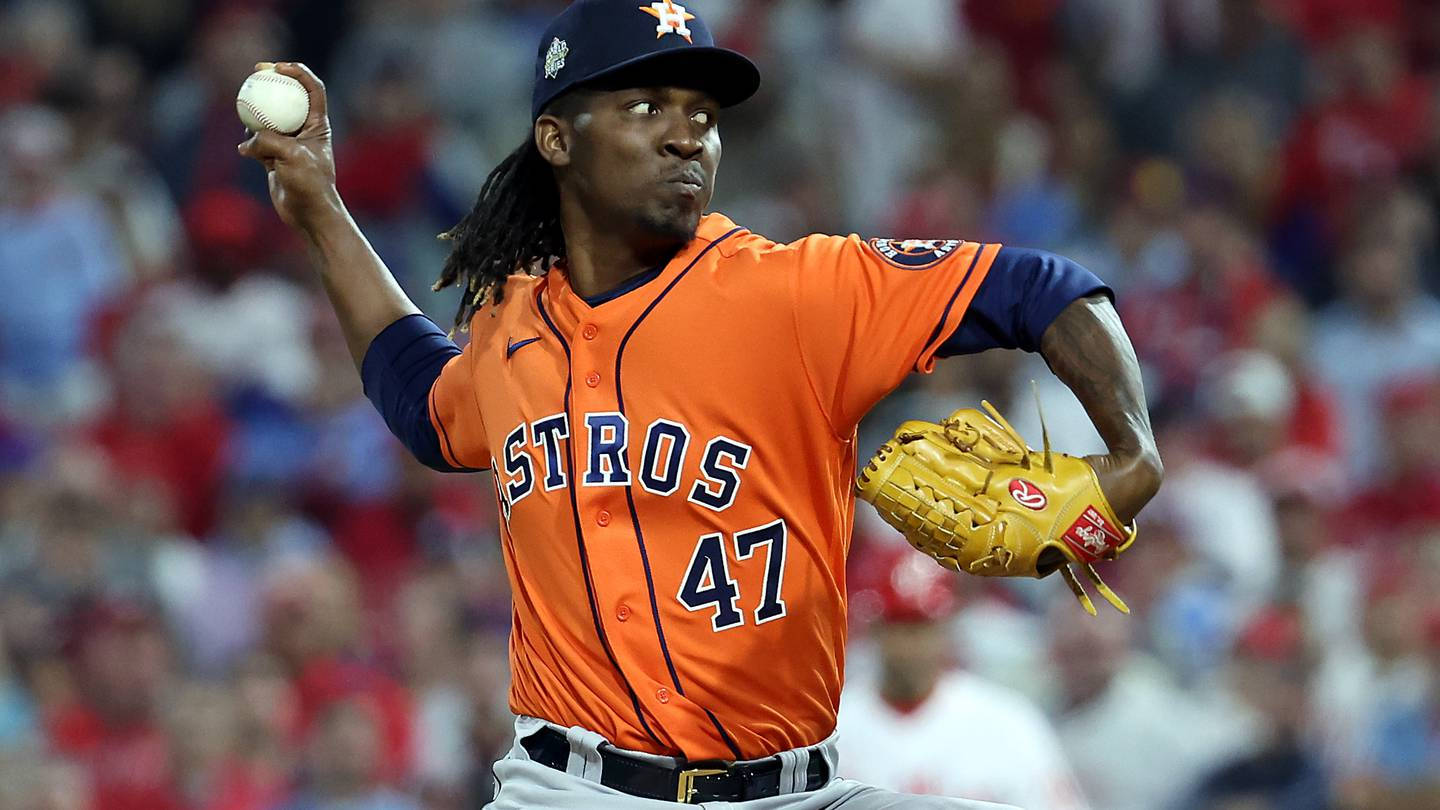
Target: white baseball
273	101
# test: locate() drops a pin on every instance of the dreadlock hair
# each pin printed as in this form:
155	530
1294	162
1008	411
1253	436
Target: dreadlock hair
513	228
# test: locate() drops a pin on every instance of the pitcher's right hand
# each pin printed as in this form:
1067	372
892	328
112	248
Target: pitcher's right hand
300	167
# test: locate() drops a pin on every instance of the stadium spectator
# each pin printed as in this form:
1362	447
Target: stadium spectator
164	430
211	767
1283	329
1248	400
1403	503
1385	318
1321	574
192	114
115	726
900	731
1373	127
45	224
432	636
1113	695
1375	702
344	760
36	782
315	625
1283	770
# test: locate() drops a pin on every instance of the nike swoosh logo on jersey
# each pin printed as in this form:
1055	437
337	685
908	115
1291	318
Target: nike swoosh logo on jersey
511	348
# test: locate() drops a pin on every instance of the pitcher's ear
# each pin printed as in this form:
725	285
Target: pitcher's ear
553	138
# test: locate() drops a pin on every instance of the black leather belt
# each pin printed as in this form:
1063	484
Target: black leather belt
687	783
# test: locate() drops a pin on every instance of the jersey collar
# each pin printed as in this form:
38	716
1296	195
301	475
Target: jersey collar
558	292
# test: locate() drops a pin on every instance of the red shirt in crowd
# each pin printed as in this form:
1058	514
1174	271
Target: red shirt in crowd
131	766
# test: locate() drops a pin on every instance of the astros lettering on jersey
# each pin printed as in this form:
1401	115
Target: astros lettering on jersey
682	454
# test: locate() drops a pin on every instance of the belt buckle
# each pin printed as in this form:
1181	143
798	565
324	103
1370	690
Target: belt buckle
686	789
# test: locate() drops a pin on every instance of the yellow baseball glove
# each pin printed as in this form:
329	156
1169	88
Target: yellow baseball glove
970	493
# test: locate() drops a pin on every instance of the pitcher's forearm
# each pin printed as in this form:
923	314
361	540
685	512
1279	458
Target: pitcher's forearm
1088	350
362	290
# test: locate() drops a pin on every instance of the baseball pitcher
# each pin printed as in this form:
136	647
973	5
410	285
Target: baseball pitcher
668	403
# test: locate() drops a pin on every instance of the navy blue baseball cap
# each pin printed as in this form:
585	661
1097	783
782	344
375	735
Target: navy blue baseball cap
653	43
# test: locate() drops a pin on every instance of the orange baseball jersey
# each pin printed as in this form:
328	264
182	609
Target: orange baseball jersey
674	470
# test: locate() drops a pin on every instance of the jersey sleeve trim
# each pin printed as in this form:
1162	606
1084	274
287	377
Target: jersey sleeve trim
398	373
959	302
1022	295
447	447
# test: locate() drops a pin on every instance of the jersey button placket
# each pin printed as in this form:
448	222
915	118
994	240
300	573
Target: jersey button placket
602	514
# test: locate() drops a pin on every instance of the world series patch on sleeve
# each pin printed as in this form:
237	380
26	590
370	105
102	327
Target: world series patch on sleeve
971	494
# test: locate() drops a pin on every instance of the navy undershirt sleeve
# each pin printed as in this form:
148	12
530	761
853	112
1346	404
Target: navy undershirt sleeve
1022	294
399	369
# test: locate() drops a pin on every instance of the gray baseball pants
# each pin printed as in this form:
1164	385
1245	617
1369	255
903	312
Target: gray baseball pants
523	784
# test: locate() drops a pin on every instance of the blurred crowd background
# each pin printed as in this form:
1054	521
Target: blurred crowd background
223	586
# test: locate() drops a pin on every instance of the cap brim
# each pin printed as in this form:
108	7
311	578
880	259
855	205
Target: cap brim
726	75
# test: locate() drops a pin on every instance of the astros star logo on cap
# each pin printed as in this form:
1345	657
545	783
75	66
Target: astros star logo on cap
593	42
672	17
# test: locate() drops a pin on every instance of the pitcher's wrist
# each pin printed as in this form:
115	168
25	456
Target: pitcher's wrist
326	221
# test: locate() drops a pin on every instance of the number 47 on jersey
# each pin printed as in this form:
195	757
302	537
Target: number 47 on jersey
708	585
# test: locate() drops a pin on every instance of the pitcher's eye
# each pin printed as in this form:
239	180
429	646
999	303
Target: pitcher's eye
643	108
703	117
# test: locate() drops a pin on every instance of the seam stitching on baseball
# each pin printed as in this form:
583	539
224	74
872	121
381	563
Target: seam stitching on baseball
274	79
259	116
